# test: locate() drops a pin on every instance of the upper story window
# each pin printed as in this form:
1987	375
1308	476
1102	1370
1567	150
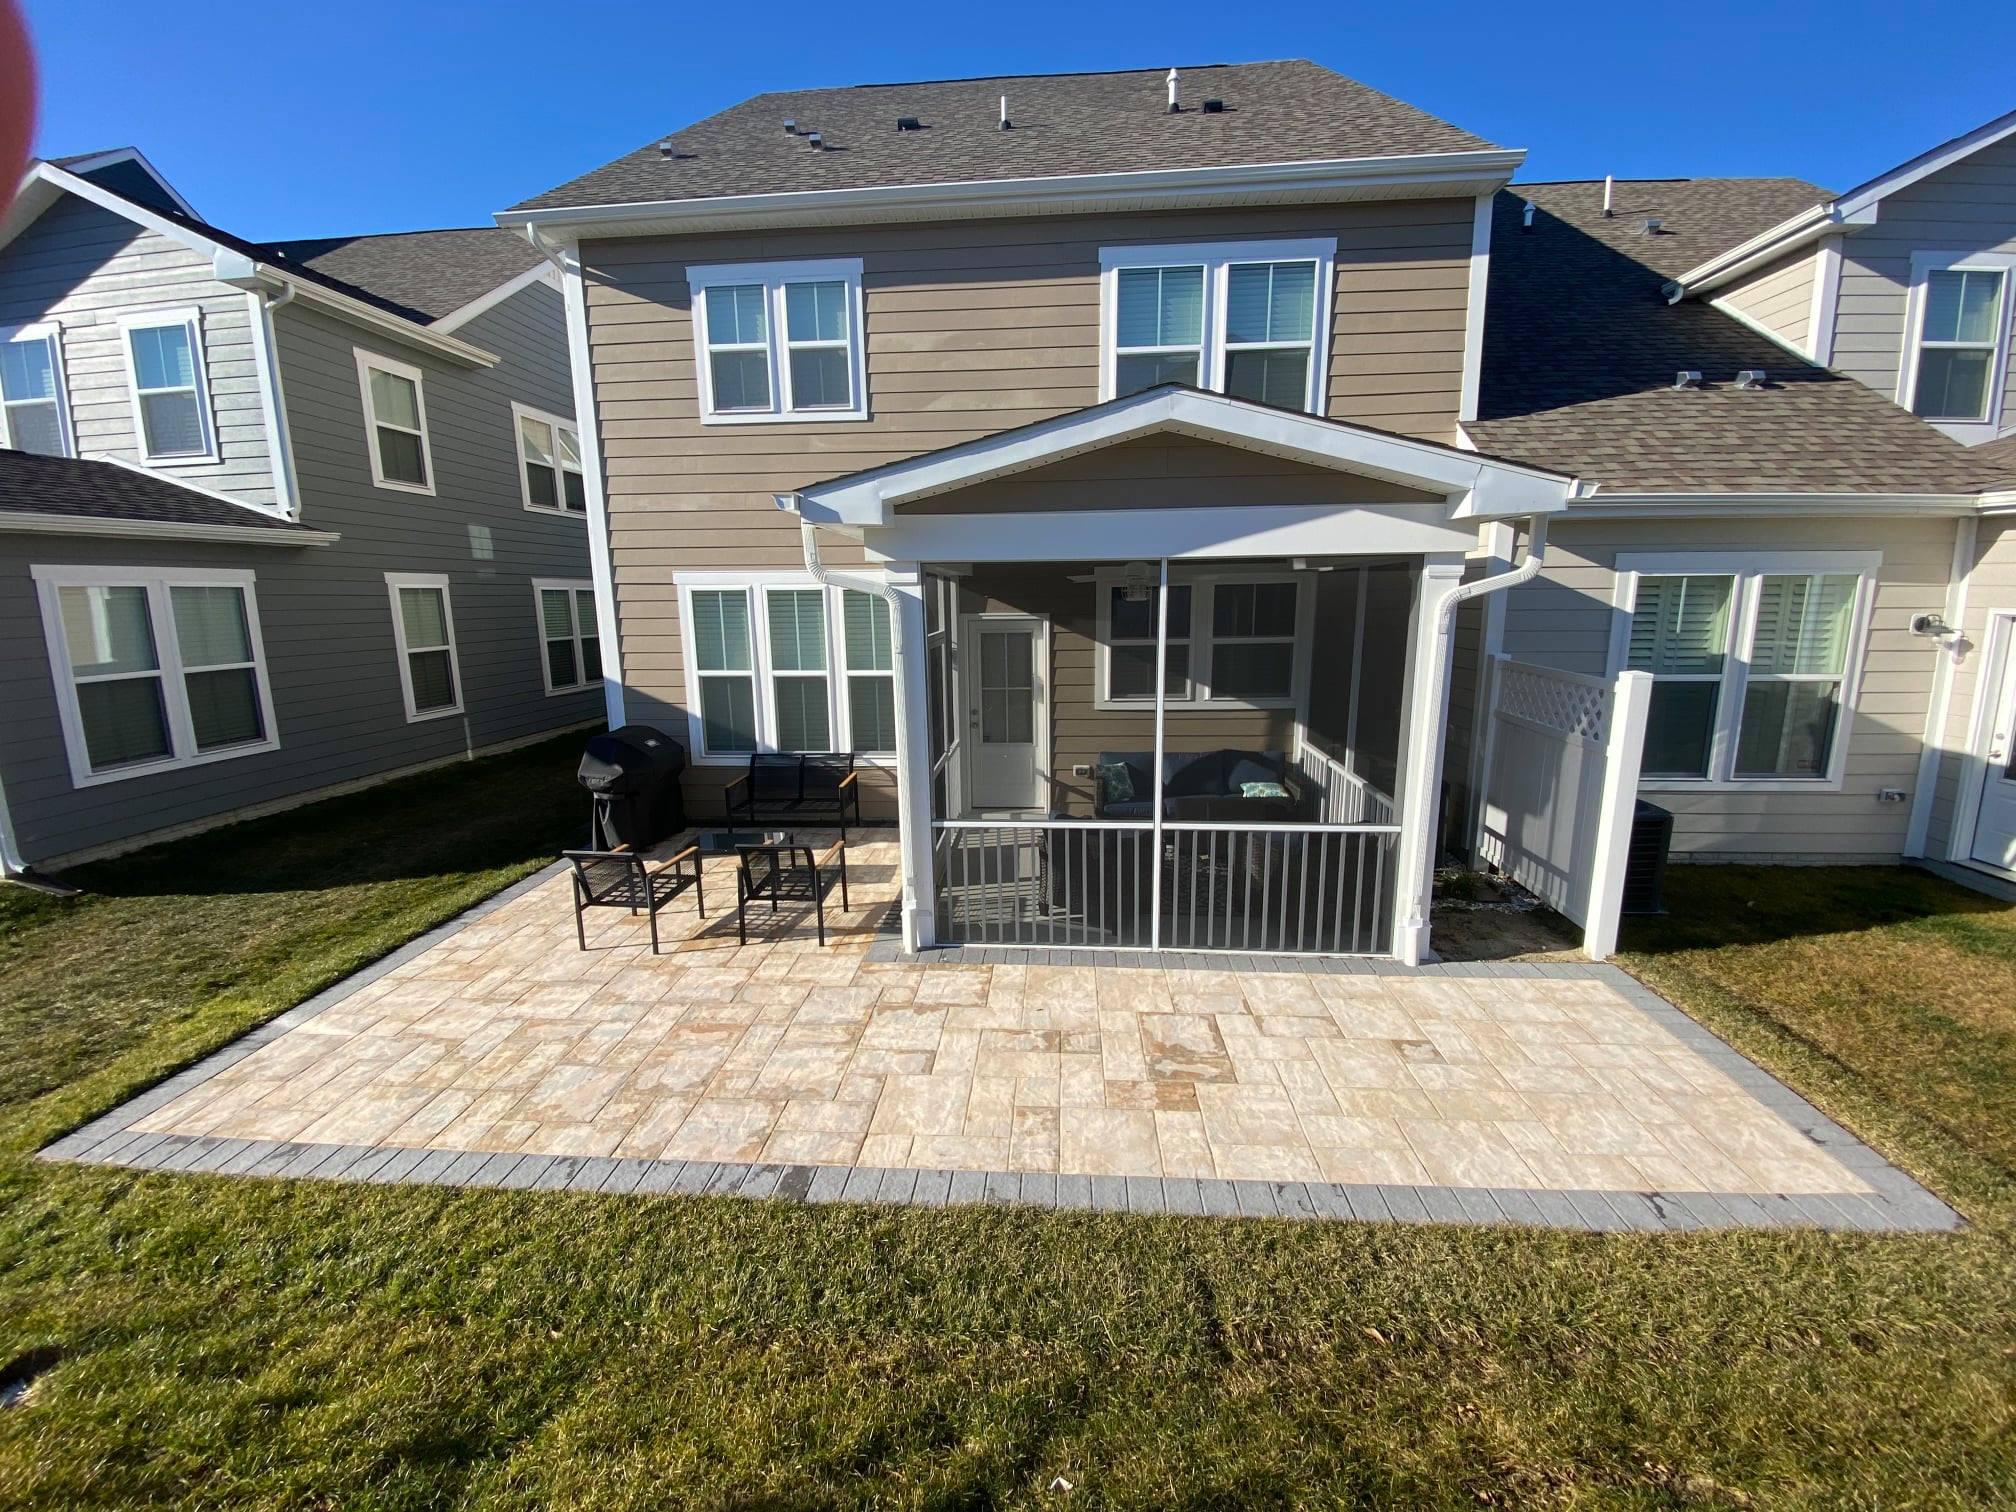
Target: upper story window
549	463
171	399
1956	371
395	423
155	668
1753	664
779	341
1249	319
34	414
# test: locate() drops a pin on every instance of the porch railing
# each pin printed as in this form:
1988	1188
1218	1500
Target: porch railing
1099	884
1342	796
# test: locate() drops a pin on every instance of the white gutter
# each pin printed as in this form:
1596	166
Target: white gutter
1647	506
1766	246
1054	192
161	530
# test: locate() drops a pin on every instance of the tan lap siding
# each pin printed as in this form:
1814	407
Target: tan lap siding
971	329
1564	619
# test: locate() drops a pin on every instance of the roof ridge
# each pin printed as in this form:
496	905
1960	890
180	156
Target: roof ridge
1069	73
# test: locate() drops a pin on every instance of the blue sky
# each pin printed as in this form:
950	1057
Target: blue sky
363	115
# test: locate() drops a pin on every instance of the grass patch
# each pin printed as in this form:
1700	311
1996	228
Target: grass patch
295	1344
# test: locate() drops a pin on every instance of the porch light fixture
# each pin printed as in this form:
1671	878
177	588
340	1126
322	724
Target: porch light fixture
1140	579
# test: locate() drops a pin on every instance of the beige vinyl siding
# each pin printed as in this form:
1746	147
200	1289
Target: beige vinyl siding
1563	619
1777	297
1991	588
83	267
1969	207
971	329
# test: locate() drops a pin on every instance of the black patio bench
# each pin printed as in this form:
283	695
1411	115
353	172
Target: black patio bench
808	786
622	878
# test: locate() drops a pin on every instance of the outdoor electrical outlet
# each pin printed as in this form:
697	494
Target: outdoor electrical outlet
1889	795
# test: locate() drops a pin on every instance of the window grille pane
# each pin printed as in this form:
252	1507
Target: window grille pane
1803	625
224	707
173	424
815	311
1135	619
107	630
871	712
570	448
1131	375
124	722
1132	672
541	487
866	620
735	315
556	616
591	658
820	379
162	357
801	714
1962	305
1252	609
1953	383
560	663
798	632
36	428
400	457
741	380
1161	307
395	400
576	491
1788	729
537	438
210	625
728	713
1268	302
1681	624
1277	378
425	612
1259	670
26	370
721	630
433	680
1679	728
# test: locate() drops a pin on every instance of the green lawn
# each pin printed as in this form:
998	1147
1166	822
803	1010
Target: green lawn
300	1344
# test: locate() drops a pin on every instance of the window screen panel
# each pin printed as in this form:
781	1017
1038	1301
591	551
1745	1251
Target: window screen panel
801	714
1680	728
107	630
1135	372
865	619
871	713
815	311
736	315
1680	625
1787	729
1160	307
721	630
1803	624
210	625
821	378
798	630
425	614
1267	303
433	675
728	713
124	722
224	707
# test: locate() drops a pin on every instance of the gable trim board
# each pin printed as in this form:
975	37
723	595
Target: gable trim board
456	318
93	162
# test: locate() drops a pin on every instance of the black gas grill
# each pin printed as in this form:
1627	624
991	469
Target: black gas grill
633	773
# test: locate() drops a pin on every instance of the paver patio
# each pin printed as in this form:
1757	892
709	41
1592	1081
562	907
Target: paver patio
501	1041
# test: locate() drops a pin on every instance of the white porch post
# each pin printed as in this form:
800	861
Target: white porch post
1426	701
905	581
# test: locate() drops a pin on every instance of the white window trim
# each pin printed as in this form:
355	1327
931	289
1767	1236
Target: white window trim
1216	258
773	276
366	361
51	332
1200	639
1749	568
572	587
168	652
191	318
1923	266
524	412
394	581
758	585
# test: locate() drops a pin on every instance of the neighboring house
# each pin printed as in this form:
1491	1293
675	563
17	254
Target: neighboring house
275	519
1137	471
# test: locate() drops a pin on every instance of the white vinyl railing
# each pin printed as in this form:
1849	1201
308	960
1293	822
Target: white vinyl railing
1343	797
1316	889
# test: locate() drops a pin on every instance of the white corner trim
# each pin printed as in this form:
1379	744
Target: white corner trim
190	319
368	360
580	362
1821	317
273	404
395	583
1474	311
482	304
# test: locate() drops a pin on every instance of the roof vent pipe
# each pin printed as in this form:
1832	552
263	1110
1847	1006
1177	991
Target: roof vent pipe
1006	124
1609	193
817	140
1751	378
790	126
1526	216
1173	106
1687	378
1653	225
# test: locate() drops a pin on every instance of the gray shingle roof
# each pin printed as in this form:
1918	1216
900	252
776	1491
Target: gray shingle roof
421	274
1581	347
1999	458
32	484
1292	111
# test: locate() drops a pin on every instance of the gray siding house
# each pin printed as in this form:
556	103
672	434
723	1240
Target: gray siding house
275	519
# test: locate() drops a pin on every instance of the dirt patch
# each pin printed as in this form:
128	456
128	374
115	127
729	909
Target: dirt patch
1479	917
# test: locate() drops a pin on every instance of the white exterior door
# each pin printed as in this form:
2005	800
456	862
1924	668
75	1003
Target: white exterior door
1995	828
1003	661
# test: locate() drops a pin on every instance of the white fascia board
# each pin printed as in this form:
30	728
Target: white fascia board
160	530
1652	506
1467	173
541	272
99	160
232	267
45	181
1476	486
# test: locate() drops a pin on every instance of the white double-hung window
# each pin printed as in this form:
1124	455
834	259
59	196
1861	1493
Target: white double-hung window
568	636
423	629
34	413
171	397
395	423
155	668
550	480
1754	661
1955	371
779	341
777	662
1235	640
1248	319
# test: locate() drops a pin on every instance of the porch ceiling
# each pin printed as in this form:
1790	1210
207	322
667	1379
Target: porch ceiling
1462	485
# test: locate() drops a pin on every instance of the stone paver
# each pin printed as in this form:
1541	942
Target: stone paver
496	1052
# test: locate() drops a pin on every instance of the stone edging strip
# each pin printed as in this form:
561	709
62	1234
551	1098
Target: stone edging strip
1896	1202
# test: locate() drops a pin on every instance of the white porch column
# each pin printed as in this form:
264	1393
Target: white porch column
913	760
1418	790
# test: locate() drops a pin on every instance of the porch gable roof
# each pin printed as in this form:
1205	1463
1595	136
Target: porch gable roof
1475	485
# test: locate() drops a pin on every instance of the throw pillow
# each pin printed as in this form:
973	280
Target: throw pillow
1116	782
1262	790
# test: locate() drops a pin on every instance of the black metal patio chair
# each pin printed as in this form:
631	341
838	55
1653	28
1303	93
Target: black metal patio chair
765	872
624	879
